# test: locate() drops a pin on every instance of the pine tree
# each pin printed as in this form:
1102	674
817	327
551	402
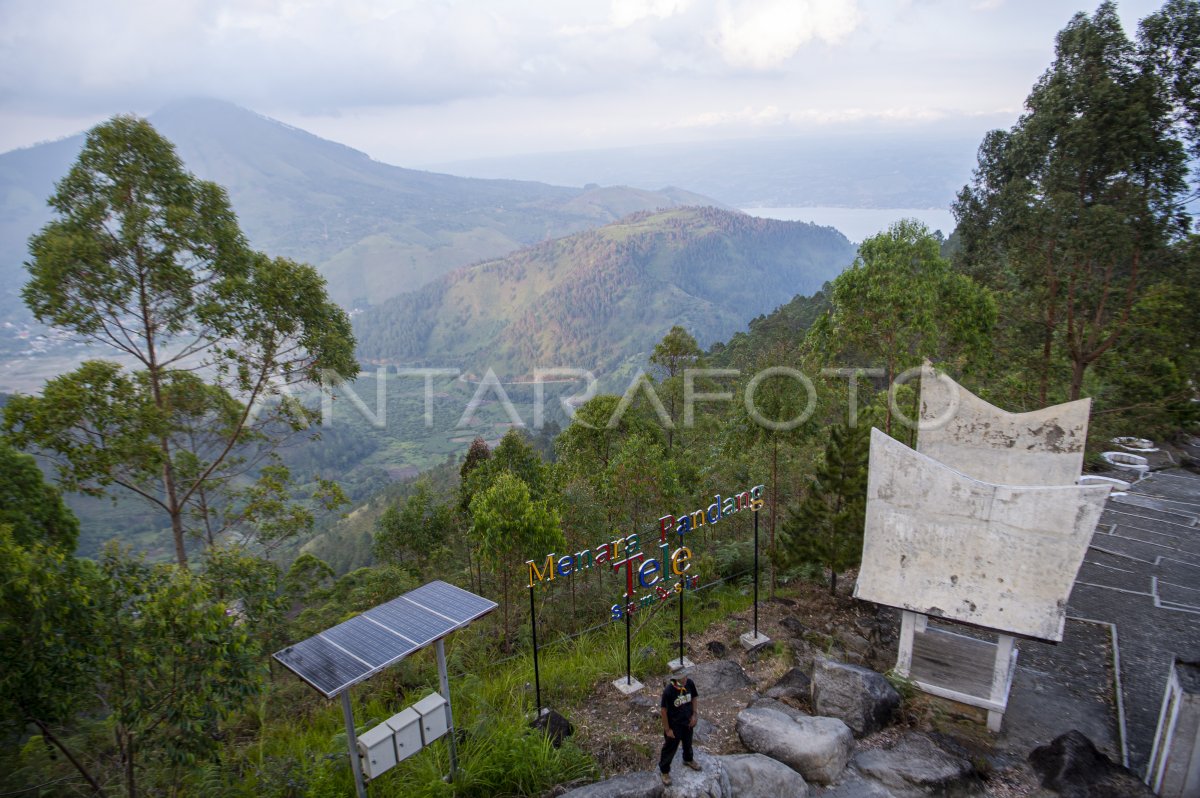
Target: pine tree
827	526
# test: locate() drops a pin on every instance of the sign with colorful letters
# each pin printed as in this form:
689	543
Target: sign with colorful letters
662	572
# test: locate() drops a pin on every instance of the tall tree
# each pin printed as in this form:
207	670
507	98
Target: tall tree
672	356
509	527
148	261
827	526
1072	210
900	303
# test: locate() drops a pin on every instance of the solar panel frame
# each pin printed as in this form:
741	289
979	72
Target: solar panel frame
353	651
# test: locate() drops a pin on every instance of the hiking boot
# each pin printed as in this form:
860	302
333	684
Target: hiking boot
666	779
693	764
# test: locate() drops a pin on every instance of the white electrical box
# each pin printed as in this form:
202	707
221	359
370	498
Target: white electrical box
406	731
377	749
432	709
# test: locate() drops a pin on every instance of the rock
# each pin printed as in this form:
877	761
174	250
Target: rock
852	641
916	766
804	654
645	784
711	781
717	649
860	697
817	748
717	677
1071	766
794	684
647	652
703	729
793	625
554	726
787	602
645	700
758	776
851	784
761	651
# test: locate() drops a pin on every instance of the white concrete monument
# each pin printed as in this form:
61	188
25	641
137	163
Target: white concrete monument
945	545
958	429
983	525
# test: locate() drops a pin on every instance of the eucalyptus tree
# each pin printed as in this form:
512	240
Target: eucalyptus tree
1072	212
147	262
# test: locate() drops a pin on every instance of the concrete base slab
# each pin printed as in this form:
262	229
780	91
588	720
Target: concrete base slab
627	687
677	664
752	641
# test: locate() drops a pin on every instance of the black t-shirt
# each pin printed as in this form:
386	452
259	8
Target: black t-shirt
677	701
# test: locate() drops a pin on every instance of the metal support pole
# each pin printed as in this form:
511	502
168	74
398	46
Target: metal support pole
537	676
628	658
681	592
756	575
445	678
352	742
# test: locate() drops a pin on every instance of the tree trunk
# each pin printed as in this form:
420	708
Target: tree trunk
1078	367
49	735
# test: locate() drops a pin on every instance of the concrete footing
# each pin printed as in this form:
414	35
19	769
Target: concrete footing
678	665
752	641
627	687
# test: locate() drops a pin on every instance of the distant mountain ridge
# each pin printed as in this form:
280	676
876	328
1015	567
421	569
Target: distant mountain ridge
374	230
602	299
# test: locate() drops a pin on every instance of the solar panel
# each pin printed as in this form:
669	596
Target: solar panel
357	649
363	638
450	601
411	620
321	664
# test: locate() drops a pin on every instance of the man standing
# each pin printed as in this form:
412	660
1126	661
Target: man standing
679	714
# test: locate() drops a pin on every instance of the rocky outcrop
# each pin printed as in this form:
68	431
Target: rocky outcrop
916	766
817	748
711	781
631	785
858	696
754	775
1073	767
716	677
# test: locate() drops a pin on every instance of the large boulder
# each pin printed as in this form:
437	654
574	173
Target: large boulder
711	781
858	696
758	776
716	677
852	784
794	684
1073	767
817	748
645	784
916	766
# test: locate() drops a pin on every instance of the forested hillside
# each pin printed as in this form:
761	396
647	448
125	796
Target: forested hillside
372	229
598	299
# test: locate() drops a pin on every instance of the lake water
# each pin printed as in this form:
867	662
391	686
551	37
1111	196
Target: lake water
859	223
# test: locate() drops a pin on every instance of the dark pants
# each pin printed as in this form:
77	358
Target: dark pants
683	734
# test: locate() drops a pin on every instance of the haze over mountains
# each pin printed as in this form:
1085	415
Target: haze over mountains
374	230
600	300
853	170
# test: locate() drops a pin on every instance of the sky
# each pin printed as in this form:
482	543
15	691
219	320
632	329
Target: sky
414	83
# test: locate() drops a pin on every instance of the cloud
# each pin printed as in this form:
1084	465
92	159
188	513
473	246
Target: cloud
763	35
